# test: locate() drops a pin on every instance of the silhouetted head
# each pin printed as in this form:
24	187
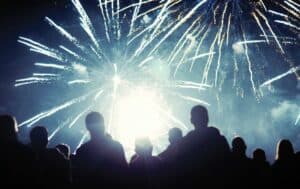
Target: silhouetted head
94	122
298	155
259	155
199	116
8	128
64	149
175	134
285	150
39	138
143	147
239	146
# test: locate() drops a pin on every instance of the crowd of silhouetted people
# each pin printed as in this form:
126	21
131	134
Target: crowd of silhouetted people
201	158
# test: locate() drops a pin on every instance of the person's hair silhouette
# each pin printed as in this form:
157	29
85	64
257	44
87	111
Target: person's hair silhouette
39	138
143	147
199	117
285	150
175	134
259	155
8	128
239	146
94	122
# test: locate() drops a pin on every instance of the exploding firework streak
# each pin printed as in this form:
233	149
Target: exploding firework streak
137	60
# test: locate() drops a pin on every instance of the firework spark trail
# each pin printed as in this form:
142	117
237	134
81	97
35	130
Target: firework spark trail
40	48
154	27
146	61
249	65
61	126
64	33
198	49
78	81
278	13
222	23
170	116
32	79
99	93
118	21
228	29
188	49
180	23
86	23
54	133
209	60
116	83
112	6
83	138
79	116
287	24
134	15
292	6
292	12
189	87
270	29
49	65
164	29
290	71
251	42
70	52
297	120
192	99
183	37
294	3
45	75
96	53
260	26
219	59
158	7
148	28
282	37
104	20
193	83
201	56
236	69
215	13
42	115
106	11
26	83
133	5
263	5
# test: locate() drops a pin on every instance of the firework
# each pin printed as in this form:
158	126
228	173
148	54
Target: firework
142	66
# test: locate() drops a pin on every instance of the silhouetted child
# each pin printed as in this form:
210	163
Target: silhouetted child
145	168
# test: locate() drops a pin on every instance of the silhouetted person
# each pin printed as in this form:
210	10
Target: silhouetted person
241	165
285	166
101	161
16	159
51	166
261	167
145	168
175	136
203	151
64	149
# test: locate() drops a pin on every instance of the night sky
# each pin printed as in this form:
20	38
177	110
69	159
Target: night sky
26	18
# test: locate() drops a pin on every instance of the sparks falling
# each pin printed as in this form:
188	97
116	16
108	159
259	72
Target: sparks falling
142	58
